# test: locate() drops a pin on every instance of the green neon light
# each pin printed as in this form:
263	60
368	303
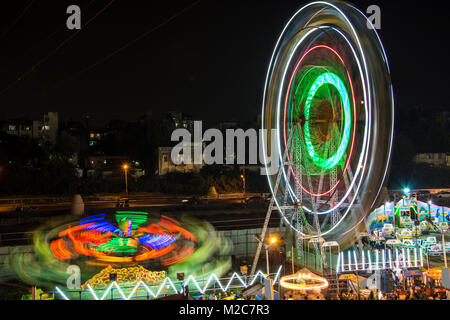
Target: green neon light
328	79
137	218
119	245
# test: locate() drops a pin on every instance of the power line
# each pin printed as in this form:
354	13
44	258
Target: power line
41	61
58	29
5	32
126	46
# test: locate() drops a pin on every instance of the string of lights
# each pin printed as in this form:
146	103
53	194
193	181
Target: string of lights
383	259
202	288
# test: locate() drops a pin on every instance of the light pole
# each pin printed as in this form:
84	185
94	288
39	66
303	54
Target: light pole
267	259
125	168
395	216
243	180
443	248
271	241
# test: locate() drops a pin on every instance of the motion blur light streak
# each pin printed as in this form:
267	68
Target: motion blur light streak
303	282
328	93
199	285
190	245
129	242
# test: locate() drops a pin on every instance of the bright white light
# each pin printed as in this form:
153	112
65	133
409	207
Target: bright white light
235	275
92	292
415	257
390	259
62	294
278	275
363	261
349	261
169	282
403	257
398	260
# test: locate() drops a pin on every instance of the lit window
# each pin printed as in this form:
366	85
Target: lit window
12	127
92	136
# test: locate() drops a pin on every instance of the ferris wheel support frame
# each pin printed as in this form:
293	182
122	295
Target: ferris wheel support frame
269	211
272	207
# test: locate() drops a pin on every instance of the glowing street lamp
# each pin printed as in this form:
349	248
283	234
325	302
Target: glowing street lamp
125	167
243	180
269	241
273	240
407	190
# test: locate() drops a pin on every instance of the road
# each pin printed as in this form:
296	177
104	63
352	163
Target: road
46	204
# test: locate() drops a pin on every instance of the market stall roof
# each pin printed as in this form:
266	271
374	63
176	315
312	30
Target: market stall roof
352	277
393	241
330	244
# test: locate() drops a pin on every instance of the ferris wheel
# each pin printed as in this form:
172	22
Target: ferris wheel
328	111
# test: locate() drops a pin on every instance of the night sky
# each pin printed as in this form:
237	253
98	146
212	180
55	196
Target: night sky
209	62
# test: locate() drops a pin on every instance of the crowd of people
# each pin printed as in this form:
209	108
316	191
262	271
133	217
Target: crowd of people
416	291
413	289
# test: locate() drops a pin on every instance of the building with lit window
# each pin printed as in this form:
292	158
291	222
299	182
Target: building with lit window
19	127
166	165
440	159
46	130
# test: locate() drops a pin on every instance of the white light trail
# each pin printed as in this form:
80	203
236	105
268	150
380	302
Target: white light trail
212	279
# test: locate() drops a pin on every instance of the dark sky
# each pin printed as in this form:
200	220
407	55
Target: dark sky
209	62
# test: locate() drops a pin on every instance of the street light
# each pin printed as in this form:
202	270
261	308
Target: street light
270	241
125	167
273	240
243	180
407	190
443	247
